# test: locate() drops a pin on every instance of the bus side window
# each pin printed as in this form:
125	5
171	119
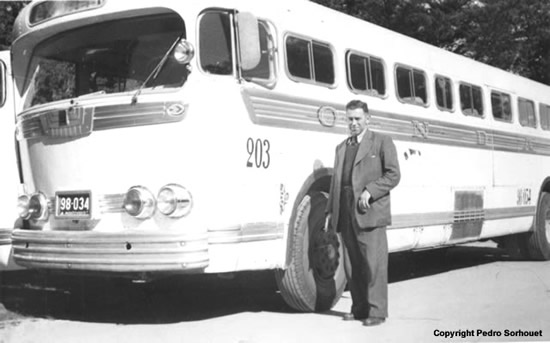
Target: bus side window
526	110
3	71
443	93
500	102
215	43
411	85
265	69
297	53
544	112
471	100
309	61
366	74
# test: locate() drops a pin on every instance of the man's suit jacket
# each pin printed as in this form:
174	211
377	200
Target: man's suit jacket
376	168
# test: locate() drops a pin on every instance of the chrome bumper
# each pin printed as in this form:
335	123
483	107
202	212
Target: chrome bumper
113	252
5	236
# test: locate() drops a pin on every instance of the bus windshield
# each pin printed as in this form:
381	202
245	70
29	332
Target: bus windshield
108	57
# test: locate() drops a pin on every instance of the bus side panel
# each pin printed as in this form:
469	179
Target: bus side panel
8	172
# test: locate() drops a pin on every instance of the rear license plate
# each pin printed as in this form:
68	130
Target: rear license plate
73	204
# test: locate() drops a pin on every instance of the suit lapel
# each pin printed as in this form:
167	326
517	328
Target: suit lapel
341	152
364	147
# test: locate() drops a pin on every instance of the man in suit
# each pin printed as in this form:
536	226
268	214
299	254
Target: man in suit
365	170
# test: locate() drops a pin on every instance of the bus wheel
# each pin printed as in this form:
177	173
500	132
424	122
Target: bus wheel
314	279
538	242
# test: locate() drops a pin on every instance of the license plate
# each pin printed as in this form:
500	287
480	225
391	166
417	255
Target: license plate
73	204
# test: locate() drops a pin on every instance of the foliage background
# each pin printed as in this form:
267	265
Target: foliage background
513	35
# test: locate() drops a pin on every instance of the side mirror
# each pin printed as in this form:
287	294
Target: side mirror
249	40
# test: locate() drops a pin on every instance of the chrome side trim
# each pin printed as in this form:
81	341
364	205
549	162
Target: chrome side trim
408	220
128	251
117	116
292	112
60	123
252	232
111	203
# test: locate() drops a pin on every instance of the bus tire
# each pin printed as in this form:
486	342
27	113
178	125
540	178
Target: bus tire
538	242
314	279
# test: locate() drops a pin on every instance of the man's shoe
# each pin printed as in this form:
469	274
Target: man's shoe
372	321
350	317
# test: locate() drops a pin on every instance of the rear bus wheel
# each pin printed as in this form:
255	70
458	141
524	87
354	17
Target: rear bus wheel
315	277
538	242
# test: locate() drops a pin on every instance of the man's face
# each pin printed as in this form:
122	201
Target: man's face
358	121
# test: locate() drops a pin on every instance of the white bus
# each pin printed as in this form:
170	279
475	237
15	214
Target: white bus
9	180
162	137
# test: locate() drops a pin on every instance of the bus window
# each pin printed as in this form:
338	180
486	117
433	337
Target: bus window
323	63
111	57
444	93
366	74
544	112
309	60
471	100
500	102
526	110
411	85
215	43
2	83
265	69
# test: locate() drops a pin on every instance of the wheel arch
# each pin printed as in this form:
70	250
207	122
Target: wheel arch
545	188
318	181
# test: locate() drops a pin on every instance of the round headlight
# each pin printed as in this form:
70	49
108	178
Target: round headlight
184	52
139	202
23	203
166	201
174	200
38	207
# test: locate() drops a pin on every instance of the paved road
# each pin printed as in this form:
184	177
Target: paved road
460	291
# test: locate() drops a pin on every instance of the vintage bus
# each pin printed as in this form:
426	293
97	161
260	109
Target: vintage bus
163	137
9	180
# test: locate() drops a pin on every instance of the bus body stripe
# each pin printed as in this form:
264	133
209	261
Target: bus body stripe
278	110
107	117
408	220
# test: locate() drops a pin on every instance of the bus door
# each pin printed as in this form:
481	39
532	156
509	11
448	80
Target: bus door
9	180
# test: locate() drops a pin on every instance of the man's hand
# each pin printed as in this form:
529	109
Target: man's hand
364	201
327	222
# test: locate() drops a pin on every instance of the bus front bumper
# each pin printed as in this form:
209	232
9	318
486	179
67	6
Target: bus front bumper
112	252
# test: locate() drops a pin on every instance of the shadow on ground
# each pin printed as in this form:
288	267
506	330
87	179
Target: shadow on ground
25	294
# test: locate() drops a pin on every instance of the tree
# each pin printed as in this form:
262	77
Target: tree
8	12
513	35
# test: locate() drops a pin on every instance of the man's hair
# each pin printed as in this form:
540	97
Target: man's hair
355	104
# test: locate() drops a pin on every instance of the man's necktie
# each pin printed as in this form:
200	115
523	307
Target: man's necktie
352	140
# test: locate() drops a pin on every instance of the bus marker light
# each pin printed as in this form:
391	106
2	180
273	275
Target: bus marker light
184	52
139	202
174	200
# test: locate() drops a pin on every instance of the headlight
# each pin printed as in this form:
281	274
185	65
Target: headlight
174	201
23	203
36	208
139	202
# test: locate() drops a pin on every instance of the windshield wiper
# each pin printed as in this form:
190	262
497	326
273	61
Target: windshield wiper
156	70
